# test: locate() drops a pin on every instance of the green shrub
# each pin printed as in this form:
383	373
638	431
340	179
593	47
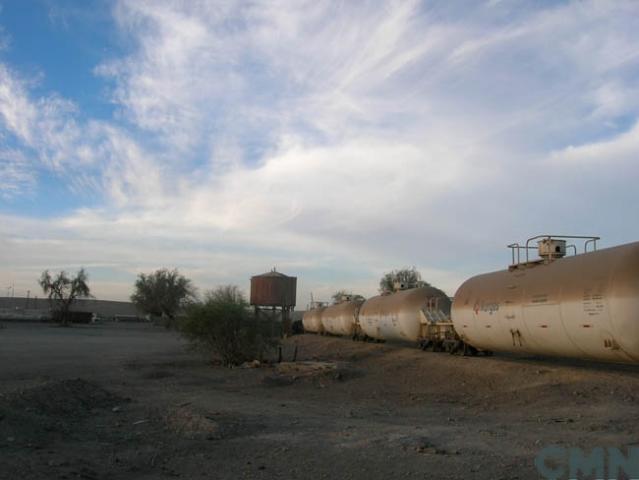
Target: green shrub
223	325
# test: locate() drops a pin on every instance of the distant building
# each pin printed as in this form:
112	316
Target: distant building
22	308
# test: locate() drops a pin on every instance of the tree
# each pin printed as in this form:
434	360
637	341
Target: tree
337	296
225	325
62	291
407	276
163	293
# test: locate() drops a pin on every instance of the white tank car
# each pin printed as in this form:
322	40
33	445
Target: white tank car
312	320
584	306
341	318
400	315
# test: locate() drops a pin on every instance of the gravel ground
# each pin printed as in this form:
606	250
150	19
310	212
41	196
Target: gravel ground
115	401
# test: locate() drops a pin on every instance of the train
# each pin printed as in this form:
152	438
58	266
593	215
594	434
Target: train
583	305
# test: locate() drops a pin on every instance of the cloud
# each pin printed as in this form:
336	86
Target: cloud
16	111
16	176
92	156
337	140
610	153
44	127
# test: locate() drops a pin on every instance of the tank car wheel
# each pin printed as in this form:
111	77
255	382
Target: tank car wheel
455	347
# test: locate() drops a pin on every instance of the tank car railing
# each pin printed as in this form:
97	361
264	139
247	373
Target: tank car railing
515	248
589	238
594	244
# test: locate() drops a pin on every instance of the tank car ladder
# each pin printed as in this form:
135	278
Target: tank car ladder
437	330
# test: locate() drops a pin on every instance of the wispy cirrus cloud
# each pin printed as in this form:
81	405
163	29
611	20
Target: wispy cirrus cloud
16	176
90	155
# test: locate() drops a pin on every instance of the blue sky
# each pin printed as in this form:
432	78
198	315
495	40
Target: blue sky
60	45
334	140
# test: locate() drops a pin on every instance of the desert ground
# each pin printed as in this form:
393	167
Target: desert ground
129	401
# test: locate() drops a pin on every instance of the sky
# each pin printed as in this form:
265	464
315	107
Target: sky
332	140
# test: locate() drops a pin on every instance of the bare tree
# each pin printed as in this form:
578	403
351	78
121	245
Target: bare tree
340	294
407	276
63	290
163	293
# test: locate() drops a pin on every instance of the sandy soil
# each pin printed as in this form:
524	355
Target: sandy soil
119	401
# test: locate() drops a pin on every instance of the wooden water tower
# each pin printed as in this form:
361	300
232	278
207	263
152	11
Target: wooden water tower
273	294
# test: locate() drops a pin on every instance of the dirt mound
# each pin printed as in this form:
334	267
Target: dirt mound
320	372
306	369
63	398
184	421
35	414
197	423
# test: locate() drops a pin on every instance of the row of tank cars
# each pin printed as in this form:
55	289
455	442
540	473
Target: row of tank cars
564	303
